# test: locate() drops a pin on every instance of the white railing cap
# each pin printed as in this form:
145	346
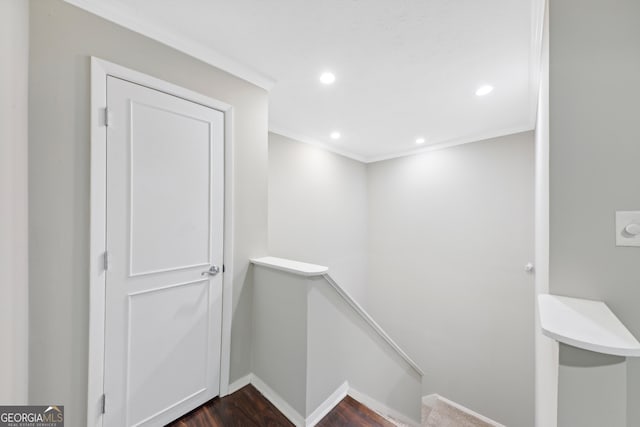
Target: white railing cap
295	267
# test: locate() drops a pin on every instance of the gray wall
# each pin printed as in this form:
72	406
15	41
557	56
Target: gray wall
343	346
449	233
308	347
595	147
280	334
14	56
318	210
591	389
62	38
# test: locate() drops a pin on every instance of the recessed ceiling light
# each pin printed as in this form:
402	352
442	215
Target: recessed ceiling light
420	141
327	78
335	135
484	90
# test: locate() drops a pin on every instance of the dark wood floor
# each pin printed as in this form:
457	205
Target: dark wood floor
248	408
244	408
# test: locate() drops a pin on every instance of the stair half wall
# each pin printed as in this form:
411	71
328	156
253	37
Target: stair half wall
313	344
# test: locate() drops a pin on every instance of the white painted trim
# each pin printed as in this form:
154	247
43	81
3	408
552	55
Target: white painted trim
319	144
325	407
239	383
316	416
381	408
453	142
97	242
394	155
290	266
430	399
374	325
278	401
535	57
308	270
228	262
547	360
586	324
140	25
100	69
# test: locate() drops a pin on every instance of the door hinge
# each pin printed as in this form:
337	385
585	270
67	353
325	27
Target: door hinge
106	260
223	268
103	403
107	117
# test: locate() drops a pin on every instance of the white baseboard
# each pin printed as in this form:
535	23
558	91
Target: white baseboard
238	384
431	399
381	408
286	409
326	406
278	401
330	402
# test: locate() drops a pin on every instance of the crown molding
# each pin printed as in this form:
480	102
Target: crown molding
115	14
453	142
535	56
394	155
324	146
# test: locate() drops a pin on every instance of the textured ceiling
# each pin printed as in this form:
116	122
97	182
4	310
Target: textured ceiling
405	68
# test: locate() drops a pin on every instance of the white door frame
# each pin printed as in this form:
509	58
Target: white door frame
100	69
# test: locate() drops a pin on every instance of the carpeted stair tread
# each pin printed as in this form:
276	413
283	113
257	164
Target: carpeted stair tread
444	415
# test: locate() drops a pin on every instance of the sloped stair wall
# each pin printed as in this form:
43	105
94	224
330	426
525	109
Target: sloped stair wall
313	344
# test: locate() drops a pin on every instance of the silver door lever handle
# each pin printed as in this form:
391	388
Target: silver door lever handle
212	271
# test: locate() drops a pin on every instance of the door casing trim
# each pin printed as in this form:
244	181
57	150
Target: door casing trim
100	69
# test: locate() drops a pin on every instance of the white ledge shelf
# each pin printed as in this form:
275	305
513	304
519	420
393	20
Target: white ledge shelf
295	267
586	324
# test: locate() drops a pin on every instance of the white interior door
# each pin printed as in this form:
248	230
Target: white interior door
164	230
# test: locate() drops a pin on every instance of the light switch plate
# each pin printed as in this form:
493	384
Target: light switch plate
624	218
